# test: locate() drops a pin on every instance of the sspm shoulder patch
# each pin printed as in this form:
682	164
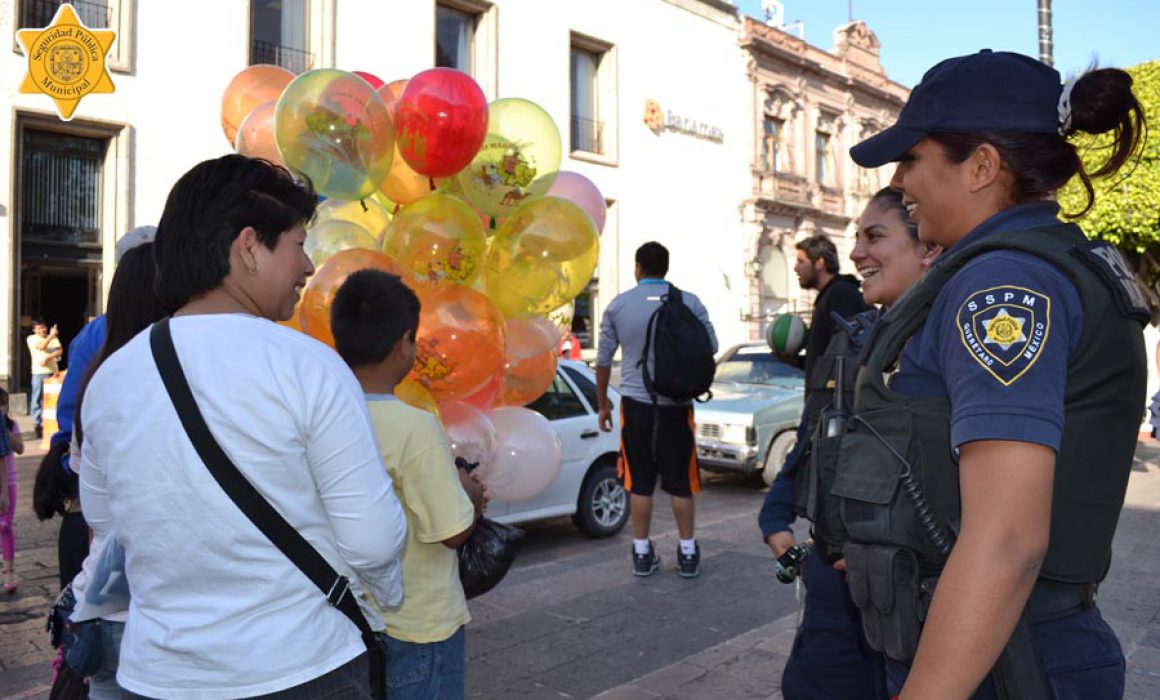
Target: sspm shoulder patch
1005	329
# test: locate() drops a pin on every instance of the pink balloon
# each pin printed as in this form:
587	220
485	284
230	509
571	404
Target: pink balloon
527	454
529	337
375	81
470	432
579	190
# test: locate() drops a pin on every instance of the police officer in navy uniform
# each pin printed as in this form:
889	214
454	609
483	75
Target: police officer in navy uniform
997	404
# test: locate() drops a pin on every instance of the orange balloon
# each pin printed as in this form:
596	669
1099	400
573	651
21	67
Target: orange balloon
320	290
484	397
412	393
256	134
402	184
253	86
295	321
525	379
460	341
390	94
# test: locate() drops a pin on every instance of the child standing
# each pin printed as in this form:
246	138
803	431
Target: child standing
11	445
374	318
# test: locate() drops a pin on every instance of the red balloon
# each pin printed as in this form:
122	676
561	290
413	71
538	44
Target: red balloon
375	81
441	121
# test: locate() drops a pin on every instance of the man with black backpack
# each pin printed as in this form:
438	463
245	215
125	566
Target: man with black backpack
667	345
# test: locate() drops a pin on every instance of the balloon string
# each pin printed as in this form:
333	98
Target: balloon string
363	202
491	224
396	211
432	181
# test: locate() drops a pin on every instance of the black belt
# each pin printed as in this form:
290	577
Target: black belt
1052	600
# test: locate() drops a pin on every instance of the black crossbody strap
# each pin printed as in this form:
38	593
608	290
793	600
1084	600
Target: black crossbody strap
282	534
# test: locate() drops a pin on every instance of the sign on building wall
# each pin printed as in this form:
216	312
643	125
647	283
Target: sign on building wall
659	120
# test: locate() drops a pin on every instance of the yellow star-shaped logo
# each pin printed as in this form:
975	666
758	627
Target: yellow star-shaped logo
66	60
1004	330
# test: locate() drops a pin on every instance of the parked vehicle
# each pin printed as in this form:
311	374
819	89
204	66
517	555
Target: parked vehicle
587	487
750	424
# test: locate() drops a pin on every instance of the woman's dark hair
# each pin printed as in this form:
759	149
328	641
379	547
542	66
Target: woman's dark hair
371	312
130	310
54	485
1101	101
207	209
892	199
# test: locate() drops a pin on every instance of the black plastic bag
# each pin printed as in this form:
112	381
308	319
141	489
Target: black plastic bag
486	556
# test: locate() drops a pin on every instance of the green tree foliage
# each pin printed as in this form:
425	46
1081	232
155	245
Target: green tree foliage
1127	206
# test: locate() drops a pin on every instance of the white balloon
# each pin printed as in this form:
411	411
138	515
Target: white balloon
527	454
471	434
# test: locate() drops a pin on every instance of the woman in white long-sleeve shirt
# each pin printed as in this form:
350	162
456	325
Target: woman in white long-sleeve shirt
217	611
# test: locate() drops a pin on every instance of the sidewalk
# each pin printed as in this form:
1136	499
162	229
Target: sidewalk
750	665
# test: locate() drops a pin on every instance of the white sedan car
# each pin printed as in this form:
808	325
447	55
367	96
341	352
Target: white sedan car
587	487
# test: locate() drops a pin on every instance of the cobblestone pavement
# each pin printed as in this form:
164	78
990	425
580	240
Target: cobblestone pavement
570	622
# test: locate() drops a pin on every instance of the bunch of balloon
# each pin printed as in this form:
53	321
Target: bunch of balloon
333	127
314	309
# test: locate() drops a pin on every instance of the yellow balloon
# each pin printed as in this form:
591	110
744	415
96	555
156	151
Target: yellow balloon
368	213
326	238
519	158
333	127
437	239
541	258
412	393
403	184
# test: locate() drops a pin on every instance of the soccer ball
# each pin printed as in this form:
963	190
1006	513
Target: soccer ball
787	335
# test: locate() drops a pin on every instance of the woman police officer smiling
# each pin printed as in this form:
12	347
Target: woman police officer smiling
968	505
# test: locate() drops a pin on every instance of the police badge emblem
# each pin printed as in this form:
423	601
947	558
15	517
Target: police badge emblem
1005	329
66	62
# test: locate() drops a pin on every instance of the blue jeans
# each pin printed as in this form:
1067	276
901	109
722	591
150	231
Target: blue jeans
830	657
36	397
1080	655
436	670
103	683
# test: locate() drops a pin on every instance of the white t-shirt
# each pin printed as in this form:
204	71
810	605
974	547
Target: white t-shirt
217	611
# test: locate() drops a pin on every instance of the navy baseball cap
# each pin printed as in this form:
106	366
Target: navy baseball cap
986	91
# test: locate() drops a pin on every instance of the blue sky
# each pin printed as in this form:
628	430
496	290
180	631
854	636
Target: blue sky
916	34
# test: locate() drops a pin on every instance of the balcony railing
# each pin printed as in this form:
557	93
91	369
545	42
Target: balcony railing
39	13
292	59
587	135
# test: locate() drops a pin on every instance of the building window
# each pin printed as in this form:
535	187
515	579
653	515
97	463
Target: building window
93	13
821	152
280	34
771	155
586	125
454	39
61	196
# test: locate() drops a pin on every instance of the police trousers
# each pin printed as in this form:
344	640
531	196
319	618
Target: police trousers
1080	655
830	657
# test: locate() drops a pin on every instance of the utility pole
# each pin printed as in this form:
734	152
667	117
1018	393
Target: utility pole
1045	32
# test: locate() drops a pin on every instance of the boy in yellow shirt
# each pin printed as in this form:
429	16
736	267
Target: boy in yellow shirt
374	318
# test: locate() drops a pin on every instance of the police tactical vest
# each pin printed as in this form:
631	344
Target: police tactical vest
897	479
814	473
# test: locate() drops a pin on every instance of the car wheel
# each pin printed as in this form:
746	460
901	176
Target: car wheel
602	507
775	456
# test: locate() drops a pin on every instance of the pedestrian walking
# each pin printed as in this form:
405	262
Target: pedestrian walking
978	527
45	350
656	434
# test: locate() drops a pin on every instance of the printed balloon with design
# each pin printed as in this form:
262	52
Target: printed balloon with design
333	127
437	239
442	120
517	161
460	344
314	311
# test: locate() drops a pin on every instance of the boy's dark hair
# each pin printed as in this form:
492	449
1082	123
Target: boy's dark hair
371	312
820	247
207	209
653	259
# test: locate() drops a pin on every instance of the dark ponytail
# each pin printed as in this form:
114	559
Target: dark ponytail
1102	101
